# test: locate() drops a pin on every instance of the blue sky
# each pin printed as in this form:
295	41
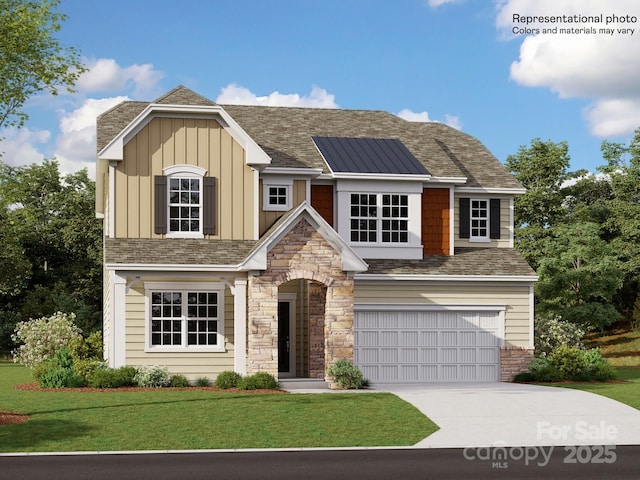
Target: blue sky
452	61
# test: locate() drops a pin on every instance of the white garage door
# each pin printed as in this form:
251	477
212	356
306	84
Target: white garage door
428	346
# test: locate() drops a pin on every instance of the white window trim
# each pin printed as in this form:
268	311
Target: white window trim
379	220
409	250
184	171
218	288
266	184
479	239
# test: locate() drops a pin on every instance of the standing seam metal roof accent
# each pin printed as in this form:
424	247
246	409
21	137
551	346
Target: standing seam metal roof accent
368	155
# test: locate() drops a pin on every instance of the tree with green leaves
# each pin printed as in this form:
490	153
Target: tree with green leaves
579	276
56	245
541	168
31	57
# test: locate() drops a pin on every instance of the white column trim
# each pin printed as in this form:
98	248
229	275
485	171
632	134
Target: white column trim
511	220
452	227
531	317
111	221
240	326
118	321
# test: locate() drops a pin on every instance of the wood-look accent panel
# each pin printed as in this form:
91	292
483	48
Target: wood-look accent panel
435	221
322	201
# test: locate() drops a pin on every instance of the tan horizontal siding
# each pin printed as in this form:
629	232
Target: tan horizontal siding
514	297
190	364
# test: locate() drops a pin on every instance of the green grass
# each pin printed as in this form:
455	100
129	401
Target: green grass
628	393
621	348
198	419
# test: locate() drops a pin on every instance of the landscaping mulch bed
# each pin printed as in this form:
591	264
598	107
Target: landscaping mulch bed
35	387
12	418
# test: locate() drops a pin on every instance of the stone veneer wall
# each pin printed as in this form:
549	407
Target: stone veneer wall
301	254
514	361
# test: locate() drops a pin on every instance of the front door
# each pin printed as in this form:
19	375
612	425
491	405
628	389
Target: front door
286	339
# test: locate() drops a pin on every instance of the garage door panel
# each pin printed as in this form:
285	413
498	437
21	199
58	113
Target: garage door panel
427	346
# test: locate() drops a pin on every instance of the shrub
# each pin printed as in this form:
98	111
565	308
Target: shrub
58	372
570	361
228	379
179	381
86	366
551	331
42	337
154	377
89	348
112	377
202	382
346	375
258	381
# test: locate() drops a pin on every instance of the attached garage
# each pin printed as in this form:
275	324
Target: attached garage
428	343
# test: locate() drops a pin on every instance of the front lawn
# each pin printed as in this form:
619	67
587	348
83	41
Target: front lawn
170	419
628	393
621	348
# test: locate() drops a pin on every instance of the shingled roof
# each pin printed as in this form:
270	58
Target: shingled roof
466	261
284	133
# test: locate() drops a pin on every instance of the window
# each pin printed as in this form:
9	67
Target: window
184	205
185	202
185	318
479	219
276	194
379	218
395	218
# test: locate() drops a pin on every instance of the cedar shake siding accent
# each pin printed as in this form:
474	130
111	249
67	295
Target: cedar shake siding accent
435	221
322	201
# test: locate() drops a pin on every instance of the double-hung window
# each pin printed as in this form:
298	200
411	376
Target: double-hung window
185	205
479	219
184	318
379	218
185	202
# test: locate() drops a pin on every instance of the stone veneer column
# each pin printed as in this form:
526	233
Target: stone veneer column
317	299
514	360
302	254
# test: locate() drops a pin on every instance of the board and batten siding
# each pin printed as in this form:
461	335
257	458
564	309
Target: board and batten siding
192	365
506	226
268	218
514	297
165	142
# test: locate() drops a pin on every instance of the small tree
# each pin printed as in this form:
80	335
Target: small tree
41	338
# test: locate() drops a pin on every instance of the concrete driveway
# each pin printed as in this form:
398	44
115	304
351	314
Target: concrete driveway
510	414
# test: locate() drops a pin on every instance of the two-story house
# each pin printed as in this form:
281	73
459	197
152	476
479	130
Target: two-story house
277	239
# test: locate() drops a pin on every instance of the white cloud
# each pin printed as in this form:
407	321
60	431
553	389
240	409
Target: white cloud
237	95
106	76
76	144
598	67
20	146
411	116
437	3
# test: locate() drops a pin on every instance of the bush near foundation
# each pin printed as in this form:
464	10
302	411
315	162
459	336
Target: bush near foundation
569	363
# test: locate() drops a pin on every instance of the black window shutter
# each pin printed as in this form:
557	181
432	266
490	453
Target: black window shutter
209	223
160	204
494	218
465	218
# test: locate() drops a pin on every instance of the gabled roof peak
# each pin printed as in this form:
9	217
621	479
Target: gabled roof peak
182	95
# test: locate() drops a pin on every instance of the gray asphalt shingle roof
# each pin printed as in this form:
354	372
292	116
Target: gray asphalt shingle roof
466	261
284	133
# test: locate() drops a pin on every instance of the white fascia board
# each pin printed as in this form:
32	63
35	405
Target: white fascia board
160	267
447	278
448	180
254	154
381	176
294	172
493	191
